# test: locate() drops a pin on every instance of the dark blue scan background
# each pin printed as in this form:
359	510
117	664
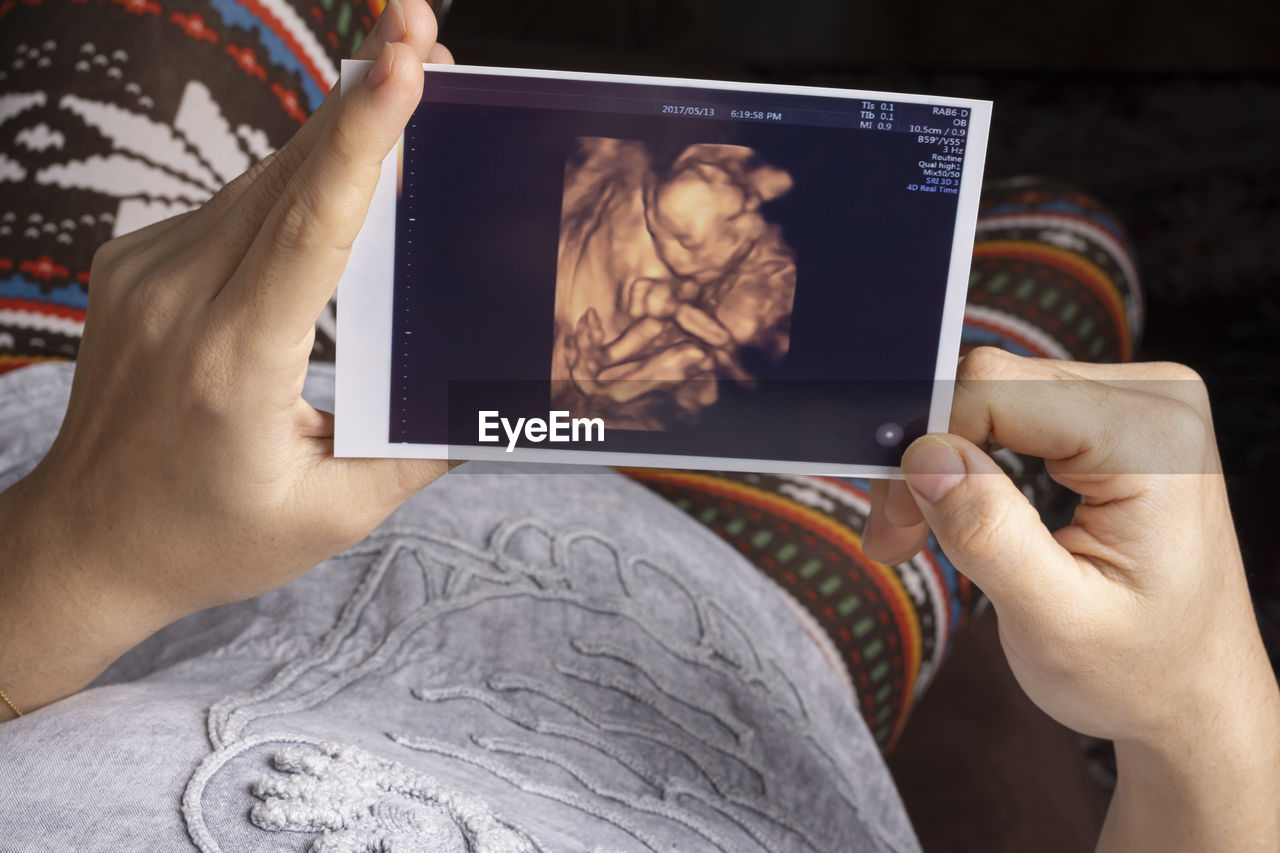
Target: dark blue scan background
478	227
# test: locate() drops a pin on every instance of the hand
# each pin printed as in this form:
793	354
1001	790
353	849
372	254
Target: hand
1132	623
188	471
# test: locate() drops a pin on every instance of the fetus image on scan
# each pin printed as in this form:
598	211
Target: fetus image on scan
665	277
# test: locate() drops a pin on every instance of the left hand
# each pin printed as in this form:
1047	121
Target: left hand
189	472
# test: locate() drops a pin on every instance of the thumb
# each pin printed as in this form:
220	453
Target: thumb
984	523
394	481
361	493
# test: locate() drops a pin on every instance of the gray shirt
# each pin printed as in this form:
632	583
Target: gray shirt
522	658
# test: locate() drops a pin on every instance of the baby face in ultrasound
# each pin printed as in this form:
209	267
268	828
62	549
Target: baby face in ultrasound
664	279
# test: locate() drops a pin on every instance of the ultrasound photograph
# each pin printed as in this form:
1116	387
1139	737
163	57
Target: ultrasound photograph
705	288
664	278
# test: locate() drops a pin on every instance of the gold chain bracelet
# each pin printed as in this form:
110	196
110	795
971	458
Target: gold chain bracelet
9	702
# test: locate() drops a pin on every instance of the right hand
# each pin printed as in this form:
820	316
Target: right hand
1134	622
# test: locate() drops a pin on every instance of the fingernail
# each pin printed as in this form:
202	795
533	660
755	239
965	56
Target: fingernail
381	69
391	27
933	468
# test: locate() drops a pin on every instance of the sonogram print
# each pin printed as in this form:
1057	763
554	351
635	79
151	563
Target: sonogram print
665	276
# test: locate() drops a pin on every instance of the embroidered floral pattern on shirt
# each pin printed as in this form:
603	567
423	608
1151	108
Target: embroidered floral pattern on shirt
631	715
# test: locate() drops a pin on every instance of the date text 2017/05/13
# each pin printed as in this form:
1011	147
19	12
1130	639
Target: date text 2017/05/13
705	111
698	111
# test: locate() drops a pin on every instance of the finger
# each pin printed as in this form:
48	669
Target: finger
985	525
218	202
1098	438
235	214
295	261
440	55
408	22
1171	381
130	254
900	508
1163	378
136	239
884	539
168	243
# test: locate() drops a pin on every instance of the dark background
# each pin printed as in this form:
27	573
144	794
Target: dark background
1169	112
868	303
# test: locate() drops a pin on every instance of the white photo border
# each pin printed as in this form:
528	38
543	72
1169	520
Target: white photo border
365	300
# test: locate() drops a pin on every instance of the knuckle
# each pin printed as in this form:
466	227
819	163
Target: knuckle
979	530
1174	370
225	197
1189	385
1103	398
984	363
347	138
310	221
1182	428
280	166
352	160
115	275
274	174
105	260
259	168
134	269
298	220
251	197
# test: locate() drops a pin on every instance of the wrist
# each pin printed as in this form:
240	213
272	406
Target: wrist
1223	697
64	619
1207	777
